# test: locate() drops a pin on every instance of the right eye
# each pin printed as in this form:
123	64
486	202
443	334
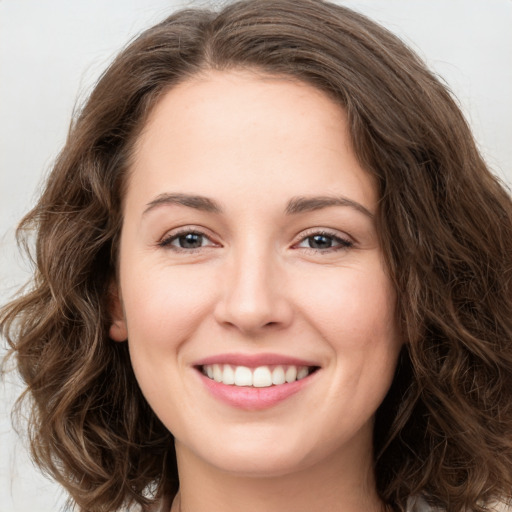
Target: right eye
186	240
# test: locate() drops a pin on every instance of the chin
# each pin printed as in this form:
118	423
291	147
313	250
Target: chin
261	456
260	464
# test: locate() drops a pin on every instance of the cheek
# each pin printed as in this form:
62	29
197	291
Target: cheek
354	313
164	307
354	308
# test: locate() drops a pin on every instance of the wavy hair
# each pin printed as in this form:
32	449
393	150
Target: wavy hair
445	222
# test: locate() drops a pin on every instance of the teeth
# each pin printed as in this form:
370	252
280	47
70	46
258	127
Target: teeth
260	377
291	374
217	373
278	376
228	376
302	372
243	376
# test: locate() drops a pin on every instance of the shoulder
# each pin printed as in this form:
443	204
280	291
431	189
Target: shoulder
419	504
162	505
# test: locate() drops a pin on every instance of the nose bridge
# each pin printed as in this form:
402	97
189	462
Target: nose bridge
253	296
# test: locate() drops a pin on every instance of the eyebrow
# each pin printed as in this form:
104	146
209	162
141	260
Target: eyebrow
309	204
202	203
296	205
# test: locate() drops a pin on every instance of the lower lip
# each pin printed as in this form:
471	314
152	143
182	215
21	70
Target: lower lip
251	398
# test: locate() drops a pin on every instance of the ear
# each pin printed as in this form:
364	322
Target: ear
117	330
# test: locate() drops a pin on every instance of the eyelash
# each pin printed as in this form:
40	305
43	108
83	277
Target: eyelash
342	243
168	240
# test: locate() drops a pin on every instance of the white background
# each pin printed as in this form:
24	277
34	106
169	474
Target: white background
52	51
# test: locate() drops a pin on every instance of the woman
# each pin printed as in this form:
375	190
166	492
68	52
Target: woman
273	272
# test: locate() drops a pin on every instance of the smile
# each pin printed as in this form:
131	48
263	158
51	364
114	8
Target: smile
259	377
255	381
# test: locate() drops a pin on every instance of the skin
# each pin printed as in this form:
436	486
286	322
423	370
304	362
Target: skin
252	143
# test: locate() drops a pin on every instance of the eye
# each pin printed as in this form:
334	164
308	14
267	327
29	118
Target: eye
186	240
324	242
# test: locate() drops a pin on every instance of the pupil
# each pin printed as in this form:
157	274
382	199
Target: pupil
190	241
320	242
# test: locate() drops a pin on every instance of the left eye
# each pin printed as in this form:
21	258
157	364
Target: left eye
323	241
187	240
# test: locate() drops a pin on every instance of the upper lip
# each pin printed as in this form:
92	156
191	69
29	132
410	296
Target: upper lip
254	360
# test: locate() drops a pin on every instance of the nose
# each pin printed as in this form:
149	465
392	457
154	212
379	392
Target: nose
254	294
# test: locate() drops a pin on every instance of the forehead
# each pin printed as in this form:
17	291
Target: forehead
243	130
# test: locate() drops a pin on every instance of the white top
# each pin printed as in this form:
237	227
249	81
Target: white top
413	505
416	504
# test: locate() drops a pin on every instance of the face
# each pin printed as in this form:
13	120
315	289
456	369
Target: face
252	289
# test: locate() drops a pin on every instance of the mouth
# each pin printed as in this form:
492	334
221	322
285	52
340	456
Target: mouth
255	382
255	377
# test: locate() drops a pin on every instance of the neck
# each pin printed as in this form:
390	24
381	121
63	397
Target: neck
334	485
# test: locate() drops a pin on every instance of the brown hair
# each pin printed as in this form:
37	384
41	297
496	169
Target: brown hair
444	430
